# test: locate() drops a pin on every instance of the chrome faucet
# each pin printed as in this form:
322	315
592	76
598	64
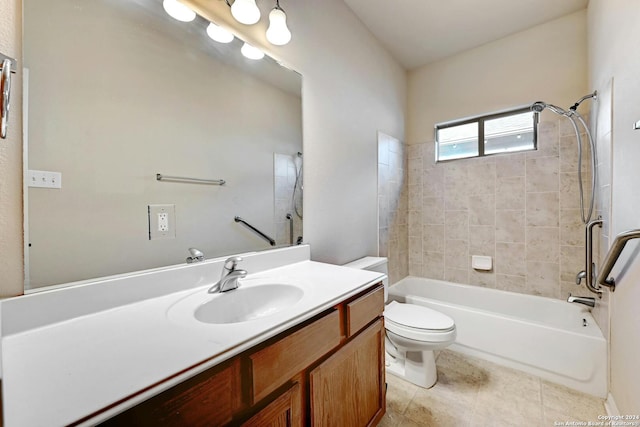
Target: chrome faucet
195	256
580	276
229	276
589	301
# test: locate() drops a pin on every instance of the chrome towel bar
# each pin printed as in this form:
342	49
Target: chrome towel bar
613	255
161	177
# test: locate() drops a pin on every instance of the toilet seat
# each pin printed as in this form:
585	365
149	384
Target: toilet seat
418	323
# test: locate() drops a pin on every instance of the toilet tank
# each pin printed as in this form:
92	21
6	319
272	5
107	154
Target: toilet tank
372	263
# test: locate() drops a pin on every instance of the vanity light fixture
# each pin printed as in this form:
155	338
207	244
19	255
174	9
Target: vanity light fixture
219	34
178	11
251	52
245	11
278	33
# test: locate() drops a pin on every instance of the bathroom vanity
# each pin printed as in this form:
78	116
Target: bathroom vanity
93	355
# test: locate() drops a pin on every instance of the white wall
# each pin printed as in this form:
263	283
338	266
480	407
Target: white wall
547	62
351	89
11	269
614	35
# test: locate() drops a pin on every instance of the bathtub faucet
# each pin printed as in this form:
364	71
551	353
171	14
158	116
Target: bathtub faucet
590	301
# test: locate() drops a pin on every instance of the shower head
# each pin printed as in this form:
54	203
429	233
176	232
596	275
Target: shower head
539	106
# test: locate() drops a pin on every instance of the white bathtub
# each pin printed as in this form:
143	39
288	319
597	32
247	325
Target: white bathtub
542	336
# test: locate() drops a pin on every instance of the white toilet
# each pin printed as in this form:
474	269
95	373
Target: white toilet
413	332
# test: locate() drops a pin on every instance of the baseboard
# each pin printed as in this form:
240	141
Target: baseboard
610	406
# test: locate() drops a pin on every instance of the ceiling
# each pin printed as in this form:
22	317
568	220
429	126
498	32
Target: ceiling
418	32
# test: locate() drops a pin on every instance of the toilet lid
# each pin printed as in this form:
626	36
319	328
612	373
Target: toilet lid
416	316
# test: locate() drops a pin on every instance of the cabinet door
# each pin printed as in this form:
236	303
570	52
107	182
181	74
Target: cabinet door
348	388
284	411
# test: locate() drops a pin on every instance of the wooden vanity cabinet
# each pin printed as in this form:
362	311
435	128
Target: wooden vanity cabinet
329	371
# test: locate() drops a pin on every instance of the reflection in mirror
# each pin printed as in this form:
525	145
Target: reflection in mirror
116	92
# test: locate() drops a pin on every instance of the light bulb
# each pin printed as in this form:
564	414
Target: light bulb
178	11
219	34
251	52
278	33
245	11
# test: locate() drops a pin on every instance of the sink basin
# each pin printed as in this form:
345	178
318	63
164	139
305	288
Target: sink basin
244	304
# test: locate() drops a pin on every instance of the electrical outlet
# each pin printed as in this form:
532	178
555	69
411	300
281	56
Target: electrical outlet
162	221
45	179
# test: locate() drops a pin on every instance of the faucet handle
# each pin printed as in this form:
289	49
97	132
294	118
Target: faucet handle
195	255
231	263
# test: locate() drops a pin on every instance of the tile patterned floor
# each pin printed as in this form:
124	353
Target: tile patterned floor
473	392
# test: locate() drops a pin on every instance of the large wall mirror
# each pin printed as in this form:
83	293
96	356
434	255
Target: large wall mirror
117	92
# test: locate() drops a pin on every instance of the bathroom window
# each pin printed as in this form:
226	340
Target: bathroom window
504	132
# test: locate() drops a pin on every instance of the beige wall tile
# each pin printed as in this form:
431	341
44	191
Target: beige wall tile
415	197
485	279
414	151
429	156
482	209
433	182
415	249
482	240
415	222
455	201
547	139
510	259
433	238
569	191
457	275
510	192
569	153
433	210
510	165
543	209
510	226
482	177
433	265
511	283
542	174
415	269
543	279
543	244
571	228
456	254
456	225
571	262
383	242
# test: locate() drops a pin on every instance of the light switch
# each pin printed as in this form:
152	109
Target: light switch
45	179
162	220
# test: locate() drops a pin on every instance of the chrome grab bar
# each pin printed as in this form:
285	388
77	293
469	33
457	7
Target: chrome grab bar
290	219
590	275
613	255
161	177
255	230
5	92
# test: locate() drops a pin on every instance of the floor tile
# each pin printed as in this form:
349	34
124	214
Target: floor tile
477	393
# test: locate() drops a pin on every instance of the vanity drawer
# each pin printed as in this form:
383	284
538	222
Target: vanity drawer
274	365
365	309
210	398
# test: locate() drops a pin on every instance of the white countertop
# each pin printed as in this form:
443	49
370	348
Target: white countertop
58	373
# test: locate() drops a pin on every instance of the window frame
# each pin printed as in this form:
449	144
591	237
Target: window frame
480	120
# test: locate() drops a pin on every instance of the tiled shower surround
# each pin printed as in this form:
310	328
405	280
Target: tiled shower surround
392	205
521	209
